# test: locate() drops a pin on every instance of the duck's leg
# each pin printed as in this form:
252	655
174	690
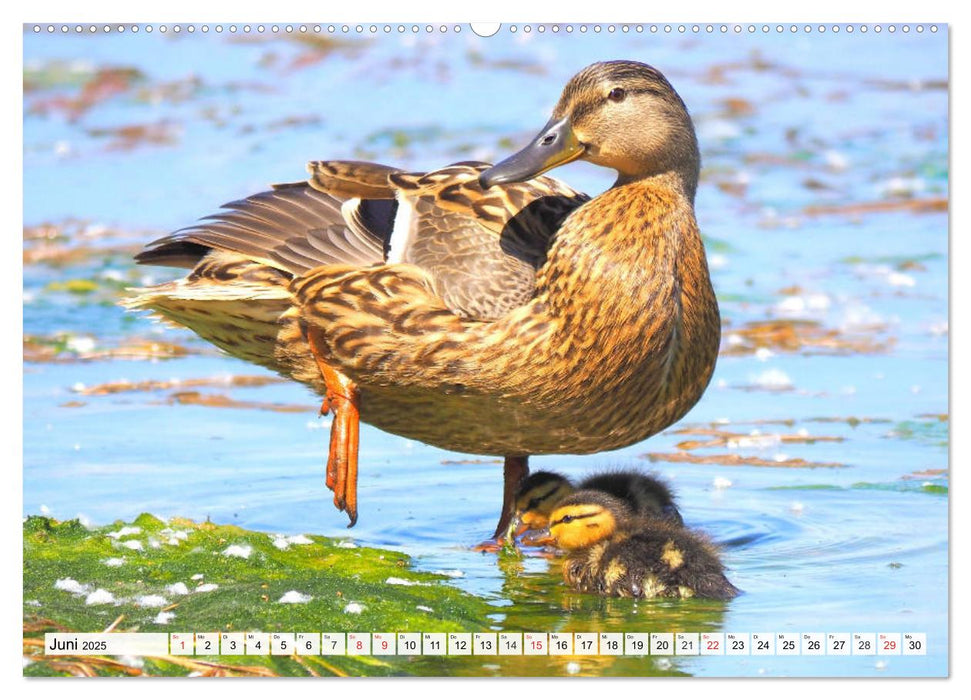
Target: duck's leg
515	470
343	399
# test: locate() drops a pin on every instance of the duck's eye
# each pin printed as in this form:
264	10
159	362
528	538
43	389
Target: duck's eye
566	519
617	95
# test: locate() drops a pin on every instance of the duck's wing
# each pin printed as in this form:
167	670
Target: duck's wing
480	248
343	215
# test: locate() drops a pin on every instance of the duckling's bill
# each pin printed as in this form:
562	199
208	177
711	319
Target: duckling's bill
530	531
555	145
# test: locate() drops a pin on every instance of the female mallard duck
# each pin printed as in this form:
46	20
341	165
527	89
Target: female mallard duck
612	552
646	496
481	310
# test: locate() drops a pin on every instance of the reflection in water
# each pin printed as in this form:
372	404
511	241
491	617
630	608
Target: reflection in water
539	601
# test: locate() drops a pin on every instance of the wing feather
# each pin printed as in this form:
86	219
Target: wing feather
481	248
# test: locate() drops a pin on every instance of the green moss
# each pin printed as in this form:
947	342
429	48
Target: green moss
248	593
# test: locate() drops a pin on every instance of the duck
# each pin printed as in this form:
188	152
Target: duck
484	309
645	495
613	552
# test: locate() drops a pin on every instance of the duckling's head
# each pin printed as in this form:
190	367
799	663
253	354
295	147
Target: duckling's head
587	517
646	494
537	497
619	114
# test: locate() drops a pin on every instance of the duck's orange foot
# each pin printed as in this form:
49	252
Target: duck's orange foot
344	441
343	400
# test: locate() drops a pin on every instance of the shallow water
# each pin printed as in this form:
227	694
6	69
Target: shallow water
823	200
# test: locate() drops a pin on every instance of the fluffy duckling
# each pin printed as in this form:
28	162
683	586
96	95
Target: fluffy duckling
613	552
538	495
646	496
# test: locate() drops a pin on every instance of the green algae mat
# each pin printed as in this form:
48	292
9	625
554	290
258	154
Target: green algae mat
155	576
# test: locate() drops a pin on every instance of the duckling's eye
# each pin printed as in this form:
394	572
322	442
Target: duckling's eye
617	95
566	519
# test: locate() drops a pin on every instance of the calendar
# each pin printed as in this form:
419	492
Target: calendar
490	644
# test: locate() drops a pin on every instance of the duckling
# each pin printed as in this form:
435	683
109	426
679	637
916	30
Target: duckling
612	552
538	495
645	495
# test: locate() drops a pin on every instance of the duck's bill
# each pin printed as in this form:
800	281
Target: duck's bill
539	538
555	145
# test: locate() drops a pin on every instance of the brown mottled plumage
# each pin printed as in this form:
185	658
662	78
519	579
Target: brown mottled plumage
480	310
613	552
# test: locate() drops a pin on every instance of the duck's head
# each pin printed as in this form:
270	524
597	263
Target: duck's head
538	496
619	114
587	517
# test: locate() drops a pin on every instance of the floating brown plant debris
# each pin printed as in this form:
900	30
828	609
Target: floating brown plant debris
806	337
737	107
131	136
318	48
67	347
139	349
72	229
734	460
851	421
727	438
44	232
124	386
196	398
917	206
907	85
924	474
72	241
733	187
98	87
39	350
521	65
175	91
60	255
